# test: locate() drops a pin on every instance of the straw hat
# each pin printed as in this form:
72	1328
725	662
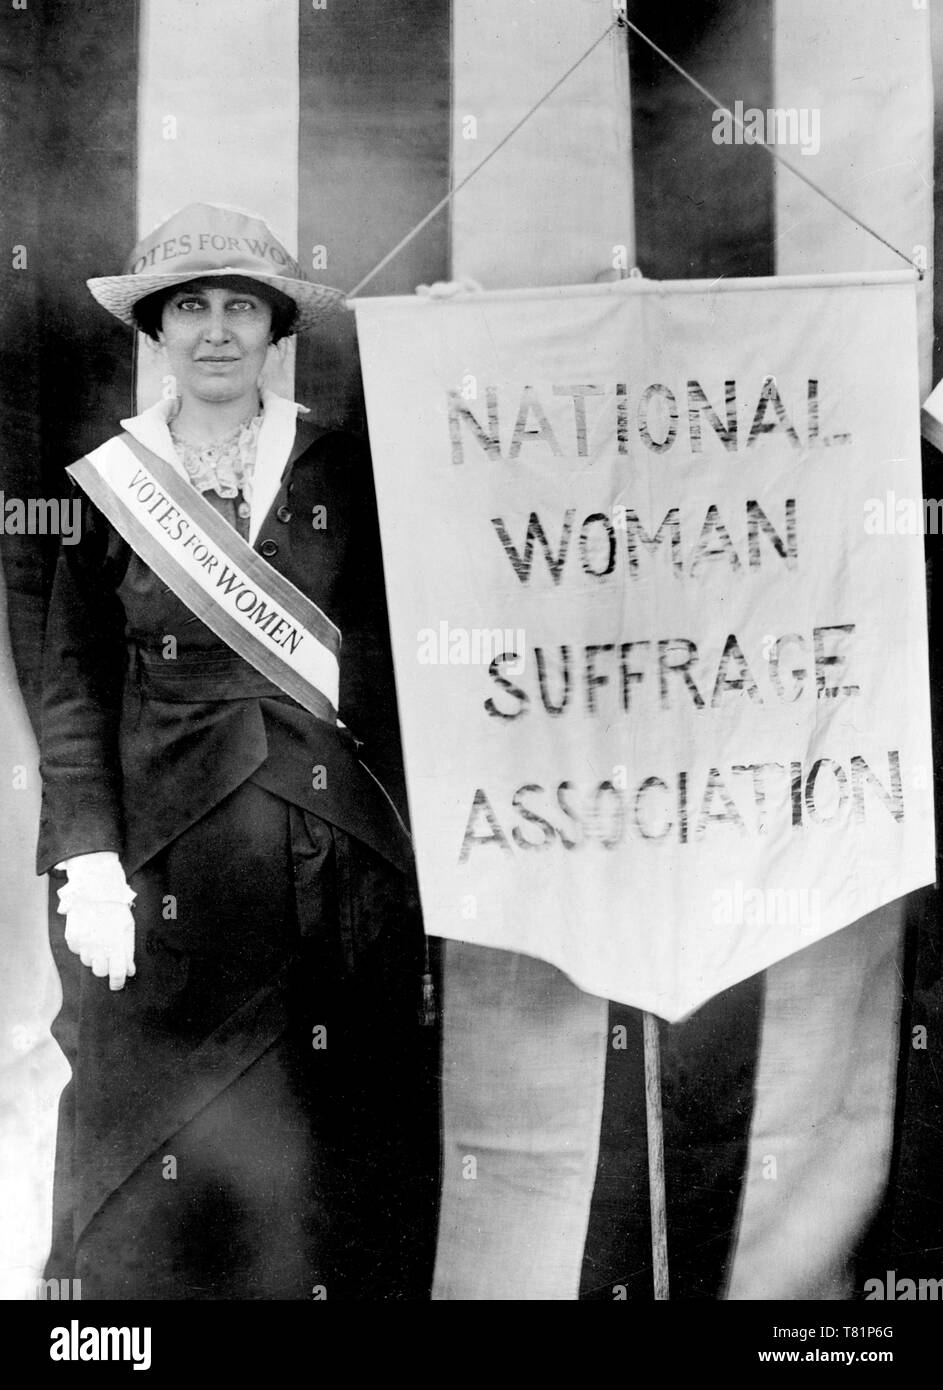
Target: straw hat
202	241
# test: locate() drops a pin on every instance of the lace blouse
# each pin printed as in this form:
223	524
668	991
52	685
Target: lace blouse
223	469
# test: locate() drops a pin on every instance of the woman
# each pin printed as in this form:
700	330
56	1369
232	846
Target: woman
248	1116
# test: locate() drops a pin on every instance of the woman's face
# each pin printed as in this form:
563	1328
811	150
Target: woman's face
216	339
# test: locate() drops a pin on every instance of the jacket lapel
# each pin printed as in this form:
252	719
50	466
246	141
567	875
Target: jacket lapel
283	437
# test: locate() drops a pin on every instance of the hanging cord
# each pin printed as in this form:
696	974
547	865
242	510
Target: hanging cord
443	202
623	22
774	154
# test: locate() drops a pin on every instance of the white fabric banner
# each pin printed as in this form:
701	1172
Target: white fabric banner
654	560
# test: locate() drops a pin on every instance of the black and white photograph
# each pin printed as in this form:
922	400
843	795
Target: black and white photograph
471	693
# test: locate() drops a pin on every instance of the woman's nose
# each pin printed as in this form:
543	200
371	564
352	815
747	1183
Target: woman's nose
216	329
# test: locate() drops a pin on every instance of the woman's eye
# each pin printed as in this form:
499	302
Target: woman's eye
189	305
242	305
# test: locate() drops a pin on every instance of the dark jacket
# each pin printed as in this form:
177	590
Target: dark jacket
141	736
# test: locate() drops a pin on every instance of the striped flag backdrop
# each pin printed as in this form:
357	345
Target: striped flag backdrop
329	120
67	84
862	69
519	1040
246	154
32	1071
342	123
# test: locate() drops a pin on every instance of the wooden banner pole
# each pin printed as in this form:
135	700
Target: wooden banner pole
656	1156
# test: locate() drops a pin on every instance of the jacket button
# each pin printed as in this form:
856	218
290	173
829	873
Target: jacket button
268	549
283	514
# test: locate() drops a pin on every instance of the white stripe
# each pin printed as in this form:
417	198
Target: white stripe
218	123
553	203
34	1070
820	1138
524	1050
864	67
820	1141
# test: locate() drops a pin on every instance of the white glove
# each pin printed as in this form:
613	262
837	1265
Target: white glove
96	902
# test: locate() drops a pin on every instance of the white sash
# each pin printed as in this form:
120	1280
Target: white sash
255	610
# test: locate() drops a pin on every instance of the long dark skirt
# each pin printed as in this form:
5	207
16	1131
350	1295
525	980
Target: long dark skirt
254	1115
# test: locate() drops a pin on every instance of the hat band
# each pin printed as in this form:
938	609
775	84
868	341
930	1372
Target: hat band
196	253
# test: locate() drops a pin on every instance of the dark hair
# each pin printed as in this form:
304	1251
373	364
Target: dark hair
149	312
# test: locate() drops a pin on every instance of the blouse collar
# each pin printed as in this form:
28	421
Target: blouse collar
276	436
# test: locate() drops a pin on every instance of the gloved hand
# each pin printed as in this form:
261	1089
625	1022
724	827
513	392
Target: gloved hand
96	902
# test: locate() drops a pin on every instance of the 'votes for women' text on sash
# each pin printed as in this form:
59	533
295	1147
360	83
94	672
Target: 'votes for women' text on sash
249	605
654	560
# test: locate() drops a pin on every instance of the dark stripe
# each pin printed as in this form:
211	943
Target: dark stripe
374	157
200	603
68	131
908	1230
708	1068
701	210
936	42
